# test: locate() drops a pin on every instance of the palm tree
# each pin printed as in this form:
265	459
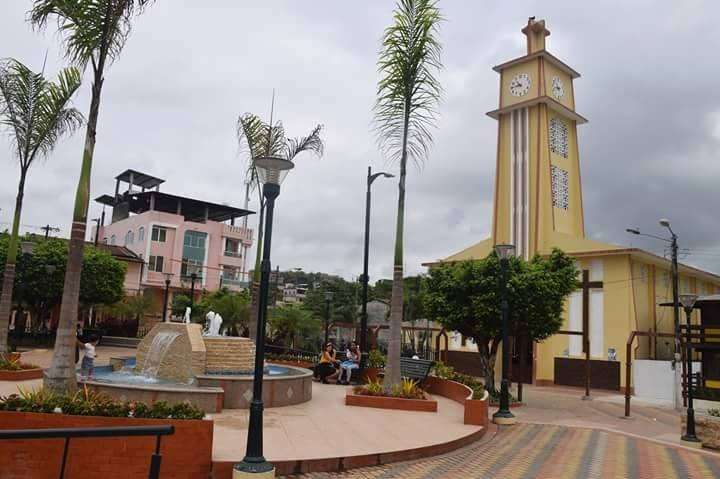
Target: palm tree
94	32
35	112
407	96
267	139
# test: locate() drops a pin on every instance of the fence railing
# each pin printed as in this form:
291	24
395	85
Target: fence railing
69	433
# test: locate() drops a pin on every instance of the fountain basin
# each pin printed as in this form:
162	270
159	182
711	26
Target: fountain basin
293	387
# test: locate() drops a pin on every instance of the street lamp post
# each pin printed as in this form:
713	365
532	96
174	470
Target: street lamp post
688	302
328	299
271	171
665	223
365	278
193	277
503	414
165	298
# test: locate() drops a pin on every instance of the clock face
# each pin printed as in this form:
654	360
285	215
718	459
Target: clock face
520	84
557	88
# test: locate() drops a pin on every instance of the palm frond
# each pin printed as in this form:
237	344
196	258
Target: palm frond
35	111
408	90
312	143
89	27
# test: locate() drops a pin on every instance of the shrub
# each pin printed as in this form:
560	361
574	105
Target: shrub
376	359
86	402
371	388
407	389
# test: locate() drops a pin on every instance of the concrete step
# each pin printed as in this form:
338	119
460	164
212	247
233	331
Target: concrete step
119	341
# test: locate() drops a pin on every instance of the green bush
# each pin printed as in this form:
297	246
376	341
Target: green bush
376	359
89	403
443	371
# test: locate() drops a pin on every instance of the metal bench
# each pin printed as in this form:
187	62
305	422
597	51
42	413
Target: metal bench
417	369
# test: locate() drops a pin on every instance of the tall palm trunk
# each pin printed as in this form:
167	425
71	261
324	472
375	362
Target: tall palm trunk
392	370
10	264
60	377
255	286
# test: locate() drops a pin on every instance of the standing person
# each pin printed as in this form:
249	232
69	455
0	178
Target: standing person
352	362
88	362
326	367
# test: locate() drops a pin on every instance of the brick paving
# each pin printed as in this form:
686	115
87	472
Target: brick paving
530	451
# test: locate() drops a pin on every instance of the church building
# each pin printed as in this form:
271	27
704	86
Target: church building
538	206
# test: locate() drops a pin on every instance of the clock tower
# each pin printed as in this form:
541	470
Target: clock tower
538	196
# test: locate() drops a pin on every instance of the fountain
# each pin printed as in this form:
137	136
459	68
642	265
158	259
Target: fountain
176	362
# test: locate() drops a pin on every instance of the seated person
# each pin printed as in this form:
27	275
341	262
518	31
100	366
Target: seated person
326	367
352	362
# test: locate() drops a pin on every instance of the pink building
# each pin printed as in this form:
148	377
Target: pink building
177	237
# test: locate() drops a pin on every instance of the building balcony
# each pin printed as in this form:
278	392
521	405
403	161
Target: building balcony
235	284
238	232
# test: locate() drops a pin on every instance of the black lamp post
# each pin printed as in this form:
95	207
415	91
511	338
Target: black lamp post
167	293
688	302
193	277
365	278
503	414
328	299
271	171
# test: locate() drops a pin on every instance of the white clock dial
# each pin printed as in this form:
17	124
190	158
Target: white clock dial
557	88
520	84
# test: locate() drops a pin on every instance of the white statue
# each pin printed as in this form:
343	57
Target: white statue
214	323
186	318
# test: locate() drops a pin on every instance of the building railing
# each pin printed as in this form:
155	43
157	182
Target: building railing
69	433
246	234
233	254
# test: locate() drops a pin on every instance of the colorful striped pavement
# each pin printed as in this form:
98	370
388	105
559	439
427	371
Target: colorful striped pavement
529	451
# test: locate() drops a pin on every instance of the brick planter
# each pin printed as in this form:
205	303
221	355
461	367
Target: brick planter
382	402
21	374
707	429
476	410
187	454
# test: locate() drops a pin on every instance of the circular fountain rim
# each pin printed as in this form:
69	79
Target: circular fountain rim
302	373
154	387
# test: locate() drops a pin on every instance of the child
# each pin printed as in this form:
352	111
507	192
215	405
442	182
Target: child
88	362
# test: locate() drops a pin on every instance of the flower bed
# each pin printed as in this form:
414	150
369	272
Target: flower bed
11	369
186	454
475	410
406	396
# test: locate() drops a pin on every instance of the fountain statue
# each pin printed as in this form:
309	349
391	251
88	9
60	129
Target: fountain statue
186	318
214	321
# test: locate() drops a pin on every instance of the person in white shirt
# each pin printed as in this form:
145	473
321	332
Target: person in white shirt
88	361
352	362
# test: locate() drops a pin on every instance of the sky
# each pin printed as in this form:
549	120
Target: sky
171	101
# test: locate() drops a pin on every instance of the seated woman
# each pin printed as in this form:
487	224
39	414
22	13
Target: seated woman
326	367
352	362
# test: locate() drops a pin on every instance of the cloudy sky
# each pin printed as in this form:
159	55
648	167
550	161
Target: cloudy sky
170	103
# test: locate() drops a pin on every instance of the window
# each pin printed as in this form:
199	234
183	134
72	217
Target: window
129	238
112	239
155	263
560	196
193	253
559	137
141	233
159	234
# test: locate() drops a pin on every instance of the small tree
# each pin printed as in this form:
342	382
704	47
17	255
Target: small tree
465	297
180	302
294	326
234	308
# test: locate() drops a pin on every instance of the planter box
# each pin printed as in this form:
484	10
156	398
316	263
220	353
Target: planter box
476	410
187	454
21	374
12	357
382	402
707	429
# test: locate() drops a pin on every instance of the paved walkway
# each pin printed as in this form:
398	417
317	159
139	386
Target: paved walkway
535	451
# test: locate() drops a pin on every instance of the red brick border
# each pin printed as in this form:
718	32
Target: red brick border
384	402
21	374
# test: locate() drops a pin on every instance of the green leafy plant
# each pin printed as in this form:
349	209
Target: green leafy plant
376	359
371	388
407	389
86	402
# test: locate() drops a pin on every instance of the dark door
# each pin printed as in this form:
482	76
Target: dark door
521	360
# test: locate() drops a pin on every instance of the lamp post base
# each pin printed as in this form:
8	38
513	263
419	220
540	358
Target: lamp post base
587	398
247	470
691	441
504	418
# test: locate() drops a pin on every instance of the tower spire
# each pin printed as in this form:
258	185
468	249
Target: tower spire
535	32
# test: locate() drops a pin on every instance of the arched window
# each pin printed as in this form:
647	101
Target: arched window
129	237
112	239
141	234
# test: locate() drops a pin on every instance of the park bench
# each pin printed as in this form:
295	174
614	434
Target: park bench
415	369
